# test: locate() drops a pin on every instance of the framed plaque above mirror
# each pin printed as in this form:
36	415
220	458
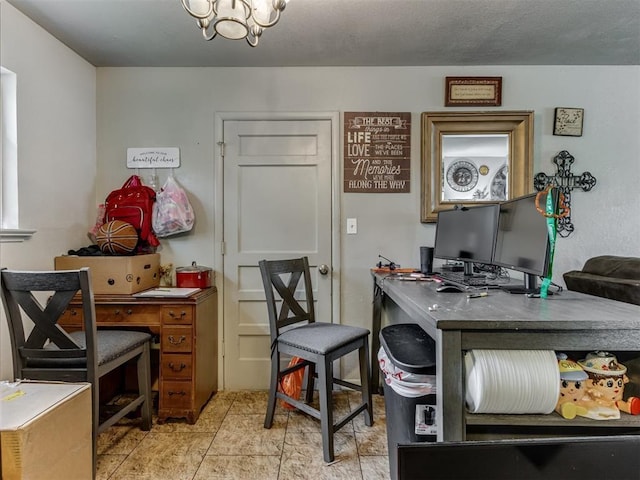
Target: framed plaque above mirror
474	157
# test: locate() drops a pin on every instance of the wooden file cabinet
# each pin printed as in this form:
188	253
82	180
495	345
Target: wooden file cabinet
187	330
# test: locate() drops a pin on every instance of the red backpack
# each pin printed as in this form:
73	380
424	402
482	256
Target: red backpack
133	203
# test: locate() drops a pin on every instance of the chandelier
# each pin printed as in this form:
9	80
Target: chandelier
235	19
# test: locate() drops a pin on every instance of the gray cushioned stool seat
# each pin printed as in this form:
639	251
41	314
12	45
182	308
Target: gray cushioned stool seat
322	337
113	343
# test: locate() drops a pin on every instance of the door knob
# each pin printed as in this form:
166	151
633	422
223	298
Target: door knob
323	269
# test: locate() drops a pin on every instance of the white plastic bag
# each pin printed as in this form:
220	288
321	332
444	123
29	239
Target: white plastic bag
405	383
172	212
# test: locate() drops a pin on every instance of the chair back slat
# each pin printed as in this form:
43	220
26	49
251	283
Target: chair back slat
287	294
278	293
39	353
48	281
45	319
64	374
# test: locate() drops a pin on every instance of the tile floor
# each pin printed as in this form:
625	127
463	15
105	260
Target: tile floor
229	442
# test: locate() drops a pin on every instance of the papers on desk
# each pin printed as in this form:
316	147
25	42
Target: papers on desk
172	292
409	277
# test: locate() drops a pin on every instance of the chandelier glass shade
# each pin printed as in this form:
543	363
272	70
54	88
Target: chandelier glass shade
235	19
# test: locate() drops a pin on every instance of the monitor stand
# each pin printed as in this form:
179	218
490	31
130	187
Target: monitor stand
530	286
468	269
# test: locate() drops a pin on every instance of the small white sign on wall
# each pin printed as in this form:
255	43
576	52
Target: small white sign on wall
153	157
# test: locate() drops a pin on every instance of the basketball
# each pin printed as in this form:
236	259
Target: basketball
117	237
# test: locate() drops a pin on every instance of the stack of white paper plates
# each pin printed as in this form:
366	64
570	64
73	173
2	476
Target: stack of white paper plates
512	381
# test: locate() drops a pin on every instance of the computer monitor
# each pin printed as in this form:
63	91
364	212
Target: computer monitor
522	241
467	234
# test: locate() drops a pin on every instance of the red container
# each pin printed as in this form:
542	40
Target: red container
195	276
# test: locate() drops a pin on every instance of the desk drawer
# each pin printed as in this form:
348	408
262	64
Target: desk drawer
176	339
177	315
176	395
176	366
127	315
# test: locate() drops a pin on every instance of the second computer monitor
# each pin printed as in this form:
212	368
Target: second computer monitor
467	234
522	242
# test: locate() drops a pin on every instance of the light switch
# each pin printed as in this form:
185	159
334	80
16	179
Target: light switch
352	226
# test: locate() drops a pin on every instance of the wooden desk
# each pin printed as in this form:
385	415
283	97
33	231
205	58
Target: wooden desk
567	322
187	329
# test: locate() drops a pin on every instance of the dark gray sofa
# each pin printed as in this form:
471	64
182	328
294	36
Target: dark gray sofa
608	276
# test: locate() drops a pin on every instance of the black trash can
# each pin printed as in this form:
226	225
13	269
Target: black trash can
410	403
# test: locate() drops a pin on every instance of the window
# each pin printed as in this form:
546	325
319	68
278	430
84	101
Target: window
9	221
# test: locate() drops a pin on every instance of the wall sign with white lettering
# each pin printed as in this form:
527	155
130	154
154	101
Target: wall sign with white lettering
377	152
153	157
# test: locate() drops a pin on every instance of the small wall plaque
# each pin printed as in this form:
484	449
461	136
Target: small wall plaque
568	121
153	157
473	91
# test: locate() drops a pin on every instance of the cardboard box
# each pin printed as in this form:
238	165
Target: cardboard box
116	274
45	431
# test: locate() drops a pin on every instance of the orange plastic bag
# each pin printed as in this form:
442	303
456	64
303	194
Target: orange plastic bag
291	384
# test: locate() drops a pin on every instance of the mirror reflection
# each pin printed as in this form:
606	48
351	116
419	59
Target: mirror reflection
475	167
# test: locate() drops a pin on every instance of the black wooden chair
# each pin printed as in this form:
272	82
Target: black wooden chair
294	332
50	353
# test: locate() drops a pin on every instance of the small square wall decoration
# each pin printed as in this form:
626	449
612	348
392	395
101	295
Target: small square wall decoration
568	121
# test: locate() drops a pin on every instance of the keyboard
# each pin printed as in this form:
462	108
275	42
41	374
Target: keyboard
460	279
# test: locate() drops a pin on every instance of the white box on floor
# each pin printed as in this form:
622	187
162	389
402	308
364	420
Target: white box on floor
45	431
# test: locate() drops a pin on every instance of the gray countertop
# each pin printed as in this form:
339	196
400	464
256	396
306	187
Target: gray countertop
501	310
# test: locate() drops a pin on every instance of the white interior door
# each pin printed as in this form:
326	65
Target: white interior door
277	182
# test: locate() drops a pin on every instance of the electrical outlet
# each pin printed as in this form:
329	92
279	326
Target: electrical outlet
352	226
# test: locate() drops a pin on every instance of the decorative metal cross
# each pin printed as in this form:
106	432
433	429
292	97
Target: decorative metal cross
565	181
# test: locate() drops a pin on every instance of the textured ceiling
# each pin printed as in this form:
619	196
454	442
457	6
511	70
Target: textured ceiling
154	33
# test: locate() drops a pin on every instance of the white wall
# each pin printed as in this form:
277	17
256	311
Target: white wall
177	106
56	148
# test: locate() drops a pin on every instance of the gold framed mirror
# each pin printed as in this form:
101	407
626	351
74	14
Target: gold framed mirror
474	157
